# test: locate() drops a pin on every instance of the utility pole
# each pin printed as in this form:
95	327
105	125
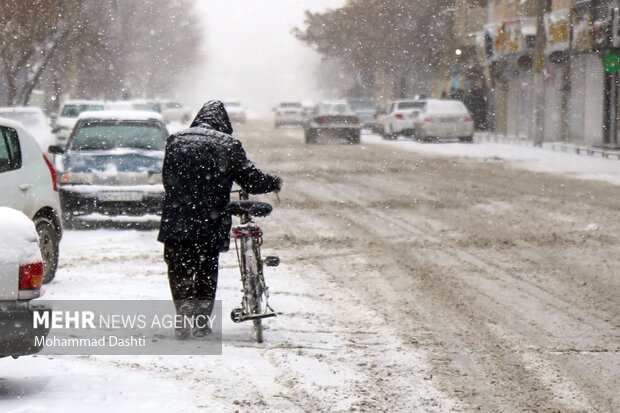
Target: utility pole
539	63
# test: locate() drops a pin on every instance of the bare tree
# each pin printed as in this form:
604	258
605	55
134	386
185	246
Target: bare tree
95	48
31	33
395	37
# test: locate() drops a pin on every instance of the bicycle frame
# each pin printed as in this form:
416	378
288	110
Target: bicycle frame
248	241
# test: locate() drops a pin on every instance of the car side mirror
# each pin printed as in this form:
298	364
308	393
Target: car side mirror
56	149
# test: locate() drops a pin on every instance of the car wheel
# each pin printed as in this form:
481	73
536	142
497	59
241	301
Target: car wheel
48	244
387	132
310	136
468	139
354	139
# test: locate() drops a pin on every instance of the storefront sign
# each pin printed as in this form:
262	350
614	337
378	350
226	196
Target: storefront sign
557	30
611	62
508	38
582	30
511	36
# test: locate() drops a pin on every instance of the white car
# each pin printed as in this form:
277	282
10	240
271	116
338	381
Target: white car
35	122
68	114
289	113
236	111
21	276
398	117
28	183
441	118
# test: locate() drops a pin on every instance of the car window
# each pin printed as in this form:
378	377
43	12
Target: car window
73	111
411	105
291	105
106	136
339	108
362	105
10	152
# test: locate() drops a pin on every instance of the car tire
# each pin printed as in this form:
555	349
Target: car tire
48	244
310	136
354	139
467	139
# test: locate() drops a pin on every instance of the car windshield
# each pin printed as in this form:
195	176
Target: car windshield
291	105
26	118
362	105
73	111
339	108
148	106
99	136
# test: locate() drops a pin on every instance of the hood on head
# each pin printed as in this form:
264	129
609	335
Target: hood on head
213	114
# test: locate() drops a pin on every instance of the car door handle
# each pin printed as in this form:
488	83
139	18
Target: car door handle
24	187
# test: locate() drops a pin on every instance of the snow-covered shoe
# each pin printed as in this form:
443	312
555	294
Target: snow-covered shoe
184	331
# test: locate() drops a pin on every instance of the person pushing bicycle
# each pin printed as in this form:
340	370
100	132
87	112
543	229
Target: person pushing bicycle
200	166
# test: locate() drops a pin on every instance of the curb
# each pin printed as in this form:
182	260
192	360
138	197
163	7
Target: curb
554	146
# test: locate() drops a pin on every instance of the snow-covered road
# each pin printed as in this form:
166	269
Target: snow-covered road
414	277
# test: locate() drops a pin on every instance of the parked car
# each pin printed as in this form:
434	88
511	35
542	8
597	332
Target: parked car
236	111
398	117
332	119
21	276
69	112
112	164
440	118
289	113
35	122
366	111
28	183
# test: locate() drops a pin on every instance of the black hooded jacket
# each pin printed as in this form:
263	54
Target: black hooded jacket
200	165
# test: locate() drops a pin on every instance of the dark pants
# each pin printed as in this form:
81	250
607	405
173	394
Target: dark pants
192	273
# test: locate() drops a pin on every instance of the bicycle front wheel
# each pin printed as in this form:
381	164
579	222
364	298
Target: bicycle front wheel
252	290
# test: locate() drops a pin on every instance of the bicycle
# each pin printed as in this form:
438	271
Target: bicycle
248	238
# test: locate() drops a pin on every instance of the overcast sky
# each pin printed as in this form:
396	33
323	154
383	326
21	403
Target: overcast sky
252	56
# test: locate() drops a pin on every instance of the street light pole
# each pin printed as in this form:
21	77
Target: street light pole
539	84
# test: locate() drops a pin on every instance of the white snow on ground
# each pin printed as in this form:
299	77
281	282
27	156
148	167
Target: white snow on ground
525	157
309	349
310	352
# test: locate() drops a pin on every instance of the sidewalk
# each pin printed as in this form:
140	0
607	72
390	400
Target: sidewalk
567	147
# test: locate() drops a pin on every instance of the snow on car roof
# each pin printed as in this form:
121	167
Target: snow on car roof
83	102
120	115
11	123
18	238
21	109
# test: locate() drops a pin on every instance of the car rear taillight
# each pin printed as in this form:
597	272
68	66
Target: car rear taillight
468	119
31	276
353	120
399	116
321	121
428	119
52	172
278	113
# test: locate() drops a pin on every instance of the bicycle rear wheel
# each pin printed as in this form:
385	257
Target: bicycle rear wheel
252	290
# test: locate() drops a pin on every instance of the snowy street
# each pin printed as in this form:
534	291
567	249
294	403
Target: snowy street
414	277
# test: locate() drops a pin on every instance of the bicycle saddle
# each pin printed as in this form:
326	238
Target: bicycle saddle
253	208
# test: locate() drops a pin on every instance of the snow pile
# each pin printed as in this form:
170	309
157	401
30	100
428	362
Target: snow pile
524	157
18	238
